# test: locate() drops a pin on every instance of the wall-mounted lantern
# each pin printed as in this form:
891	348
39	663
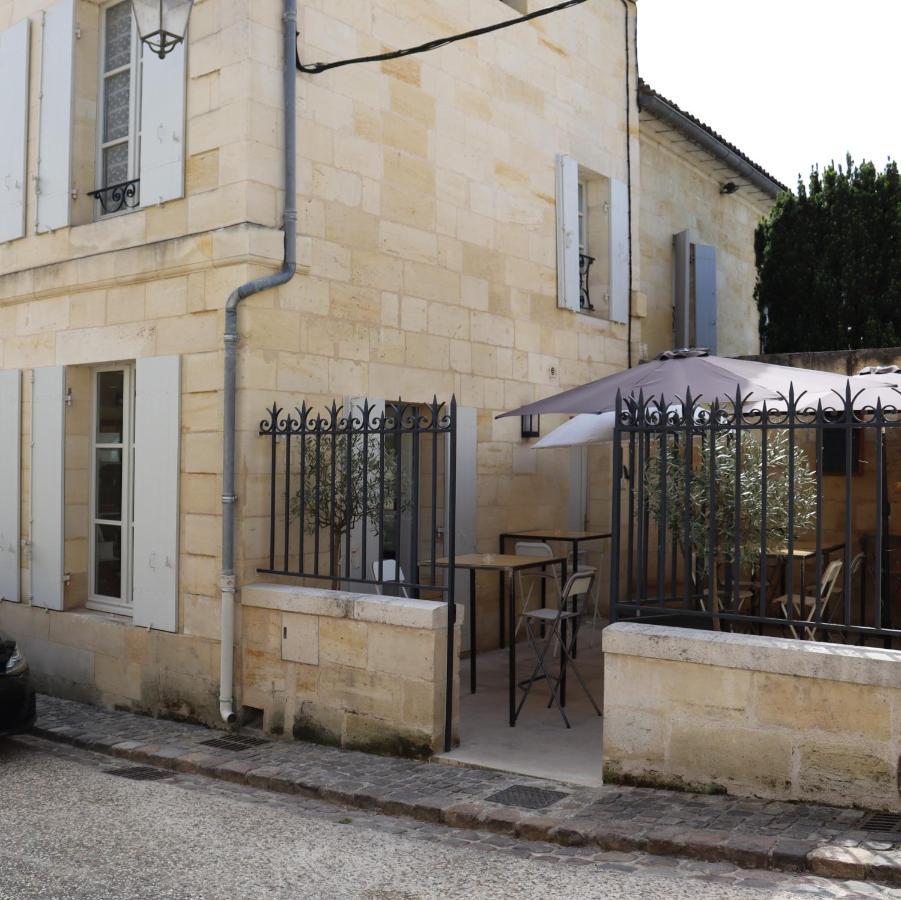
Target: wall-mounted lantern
162	24
531	426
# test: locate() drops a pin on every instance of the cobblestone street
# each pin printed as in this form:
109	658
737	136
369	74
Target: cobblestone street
81	832
463	806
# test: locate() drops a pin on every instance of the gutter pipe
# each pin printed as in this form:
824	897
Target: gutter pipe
664	111
227	580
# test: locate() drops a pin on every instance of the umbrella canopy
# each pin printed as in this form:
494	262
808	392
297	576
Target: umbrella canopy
673	374
587	428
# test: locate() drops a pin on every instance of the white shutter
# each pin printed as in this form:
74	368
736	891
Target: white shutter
10	497
48	433
619	251
163	126
568	283
156	483
14	50
55	141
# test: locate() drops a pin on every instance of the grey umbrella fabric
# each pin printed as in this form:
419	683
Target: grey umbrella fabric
673	374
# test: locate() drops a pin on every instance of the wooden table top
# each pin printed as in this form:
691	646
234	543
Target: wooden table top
496	562
559	534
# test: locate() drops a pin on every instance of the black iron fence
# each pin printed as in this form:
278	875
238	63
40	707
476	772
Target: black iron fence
365	495
771	517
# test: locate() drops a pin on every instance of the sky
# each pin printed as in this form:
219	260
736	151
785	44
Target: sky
790	82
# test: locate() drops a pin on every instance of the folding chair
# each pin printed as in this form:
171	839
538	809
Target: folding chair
572	607
809	602
535	576
392	573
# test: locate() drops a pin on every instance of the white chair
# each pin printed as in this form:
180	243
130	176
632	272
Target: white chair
535	576
809	602
392	573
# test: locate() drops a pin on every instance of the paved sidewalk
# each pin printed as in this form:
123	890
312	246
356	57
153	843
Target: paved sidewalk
756	834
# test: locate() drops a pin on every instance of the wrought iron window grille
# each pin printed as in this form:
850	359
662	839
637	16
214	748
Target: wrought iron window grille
118	197
585	264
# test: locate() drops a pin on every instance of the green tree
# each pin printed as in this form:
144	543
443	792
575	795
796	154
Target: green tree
829	262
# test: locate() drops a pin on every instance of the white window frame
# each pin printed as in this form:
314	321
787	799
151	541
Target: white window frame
123	605
134	124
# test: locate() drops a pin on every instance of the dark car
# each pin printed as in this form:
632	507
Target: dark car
17	704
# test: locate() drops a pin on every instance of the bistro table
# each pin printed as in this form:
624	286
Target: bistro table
507	564
561	535
803	554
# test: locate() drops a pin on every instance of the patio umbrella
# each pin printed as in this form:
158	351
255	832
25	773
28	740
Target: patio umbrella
674	373
587	428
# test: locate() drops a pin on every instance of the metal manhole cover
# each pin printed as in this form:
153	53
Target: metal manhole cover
526	797
883	823
235	742
141	773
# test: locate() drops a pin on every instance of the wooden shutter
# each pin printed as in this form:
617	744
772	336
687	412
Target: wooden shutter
55	141
10	496
14	50
48	435
156	484
705	296
567	233
163	126
619	251
682	290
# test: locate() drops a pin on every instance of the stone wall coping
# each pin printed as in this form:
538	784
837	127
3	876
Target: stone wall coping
402	611
779	656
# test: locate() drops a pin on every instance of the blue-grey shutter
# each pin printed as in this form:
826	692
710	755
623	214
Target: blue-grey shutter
705	297
619	251
682	289
568	277
10	469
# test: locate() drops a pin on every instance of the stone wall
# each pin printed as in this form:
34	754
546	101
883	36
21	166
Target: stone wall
359	671
752	716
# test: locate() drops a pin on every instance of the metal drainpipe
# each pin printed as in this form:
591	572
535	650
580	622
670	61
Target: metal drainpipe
629	167
284	275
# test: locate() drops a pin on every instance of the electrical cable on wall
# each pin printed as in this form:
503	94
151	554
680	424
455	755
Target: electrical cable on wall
317	68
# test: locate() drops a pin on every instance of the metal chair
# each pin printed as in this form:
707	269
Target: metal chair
392	573
572	607
535	576
809	602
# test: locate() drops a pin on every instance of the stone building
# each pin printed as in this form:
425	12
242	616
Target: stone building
448	205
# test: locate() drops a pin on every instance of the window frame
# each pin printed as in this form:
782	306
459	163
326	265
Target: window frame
118	605
133	138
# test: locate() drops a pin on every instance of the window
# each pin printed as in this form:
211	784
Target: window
112	457
119	138
835	449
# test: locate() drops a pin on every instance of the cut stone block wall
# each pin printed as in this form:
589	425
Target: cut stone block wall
754	716
355	670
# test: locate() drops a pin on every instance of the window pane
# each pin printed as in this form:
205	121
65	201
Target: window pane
108	561
110	407
109	485
116	99
115	165
118	36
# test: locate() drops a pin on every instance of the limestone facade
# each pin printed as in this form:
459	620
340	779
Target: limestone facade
427	266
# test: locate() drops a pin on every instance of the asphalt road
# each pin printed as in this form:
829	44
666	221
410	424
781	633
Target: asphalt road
70	830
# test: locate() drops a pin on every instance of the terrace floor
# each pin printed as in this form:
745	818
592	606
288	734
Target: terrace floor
540	745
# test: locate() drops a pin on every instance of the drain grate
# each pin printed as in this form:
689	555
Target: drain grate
883	823
141	773
526	797
235	742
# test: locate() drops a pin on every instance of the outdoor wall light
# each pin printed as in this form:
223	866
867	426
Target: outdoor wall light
162	24
531	426
730	187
